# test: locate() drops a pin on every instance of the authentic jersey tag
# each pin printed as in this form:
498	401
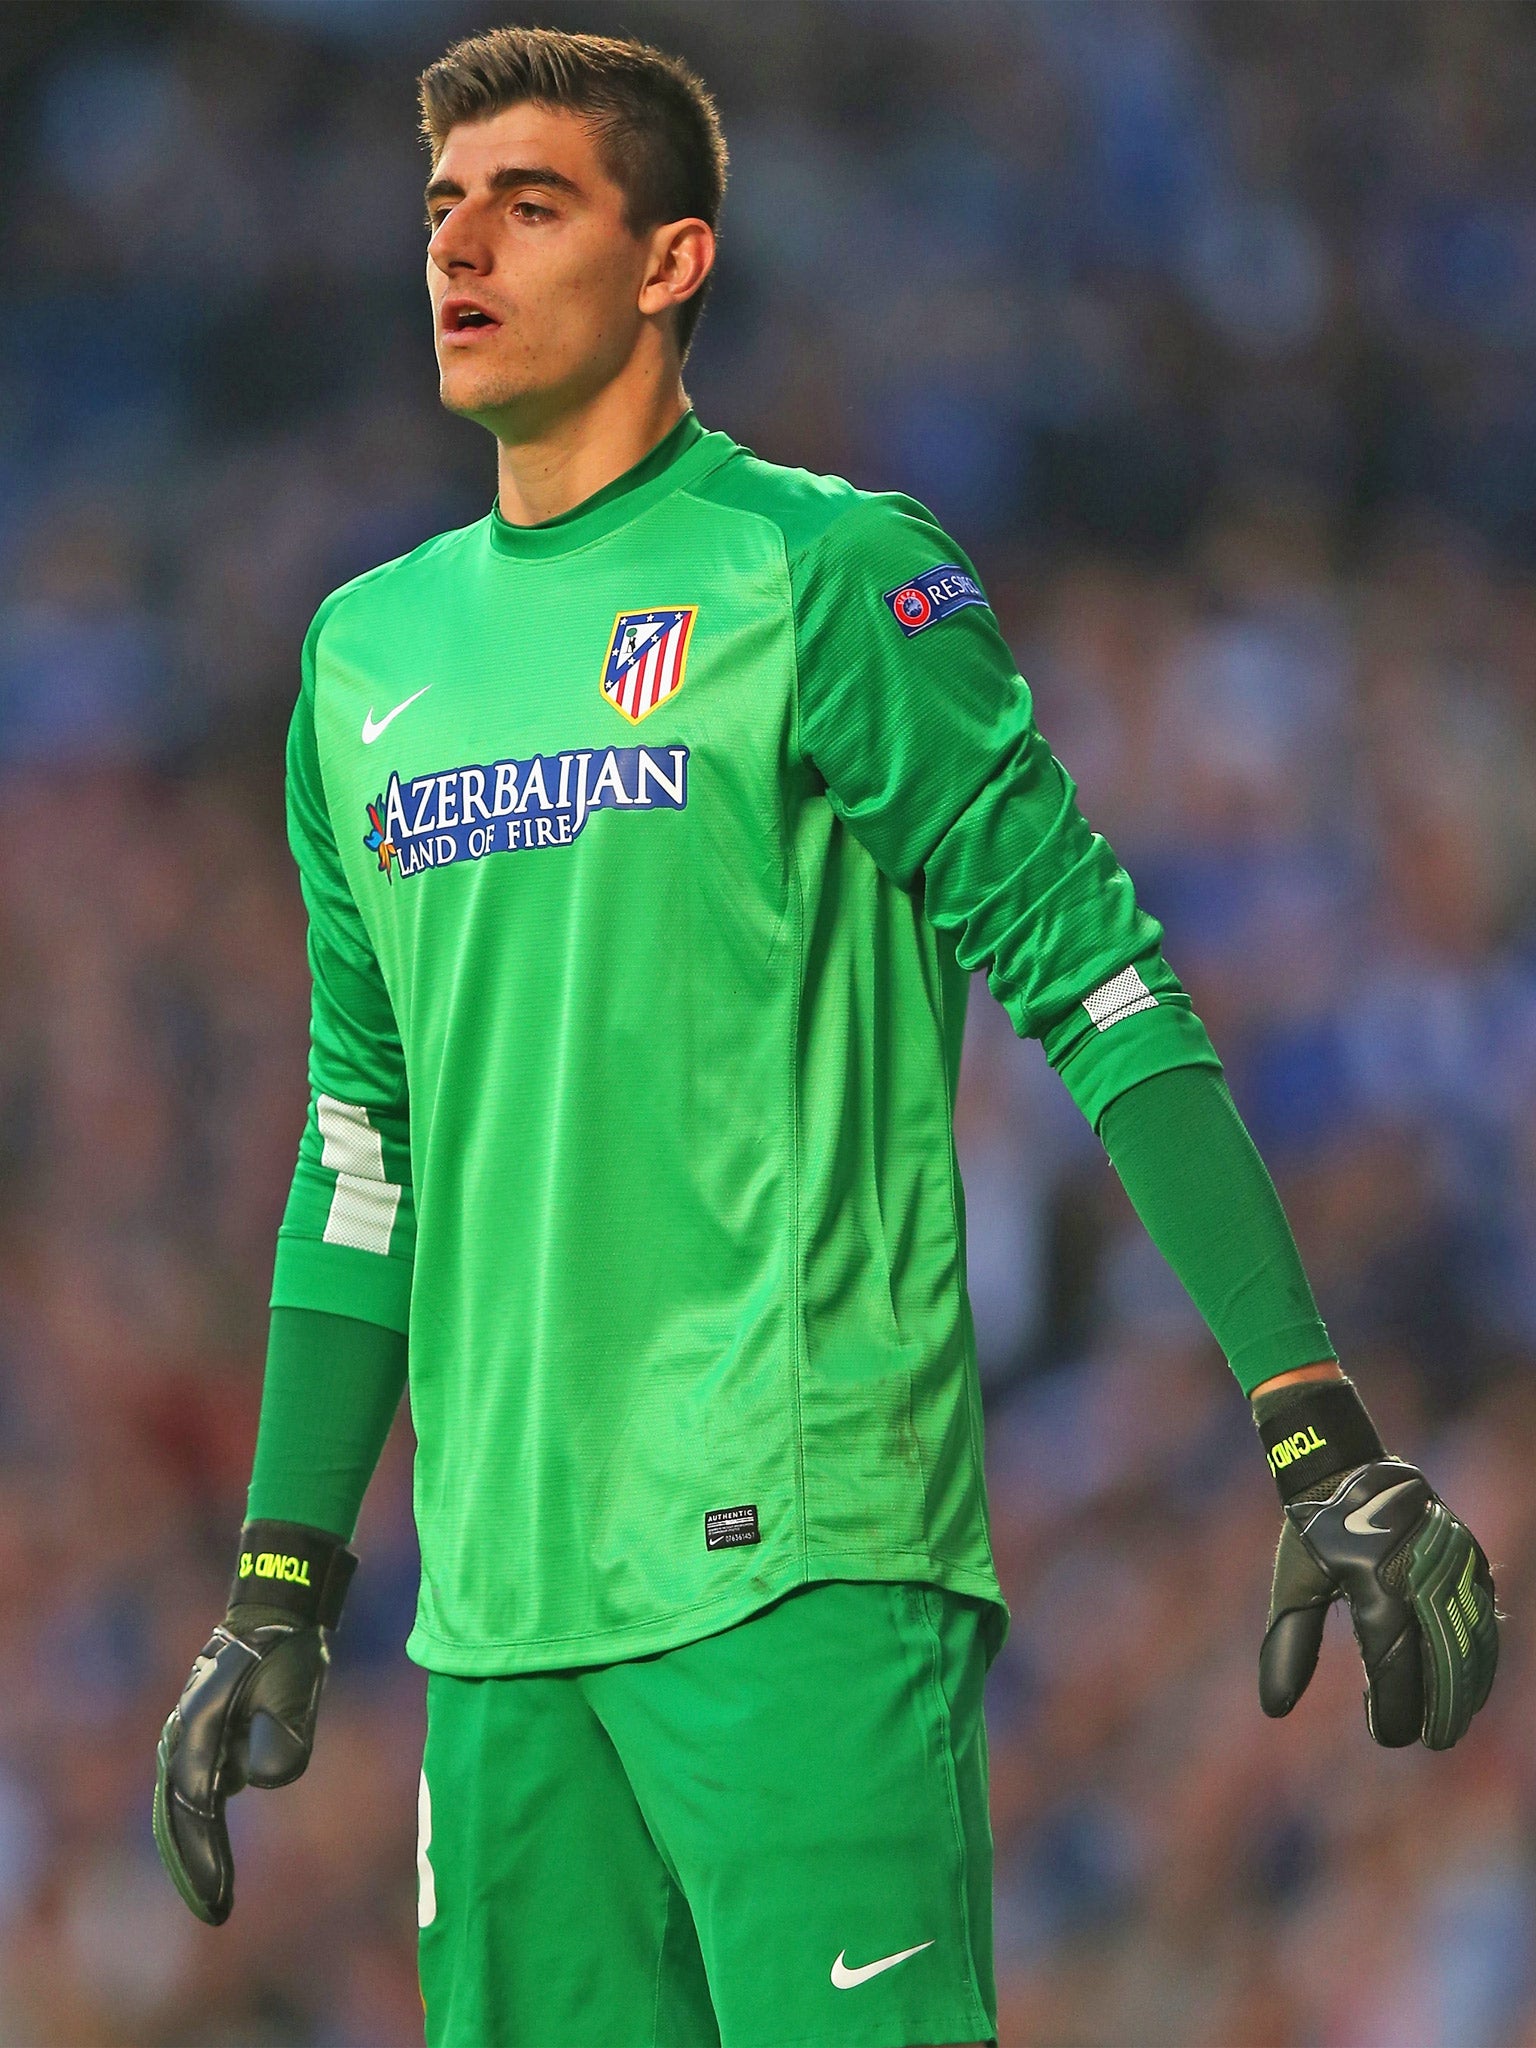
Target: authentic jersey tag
933	596
646	657
725	1527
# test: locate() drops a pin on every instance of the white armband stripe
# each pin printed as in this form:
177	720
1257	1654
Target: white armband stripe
365	1204
1122	997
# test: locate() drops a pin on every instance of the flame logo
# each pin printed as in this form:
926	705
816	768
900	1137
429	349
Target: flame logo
378	841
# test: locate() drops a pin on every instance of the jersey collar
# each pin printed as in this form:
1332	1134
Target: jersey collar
681	454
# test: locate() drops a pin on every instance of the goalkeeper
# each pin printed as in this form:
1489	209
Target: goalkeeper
650	829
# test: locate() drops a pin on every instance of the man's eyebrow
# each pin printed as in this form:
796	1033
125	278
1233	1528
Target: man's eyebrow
505	178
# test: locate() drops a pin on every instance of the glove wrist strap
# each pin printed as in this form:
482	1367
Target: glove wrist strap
1312	1430
289	1565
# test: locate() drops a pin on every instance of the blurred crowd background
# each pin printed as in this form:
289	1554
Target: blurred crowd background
1211	331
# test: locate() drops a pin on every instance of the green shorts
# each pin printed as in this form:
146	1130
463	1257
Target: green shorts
775	1837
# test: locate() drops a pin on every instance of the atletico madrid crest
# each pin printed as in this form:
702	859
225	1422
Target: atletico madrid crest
645	659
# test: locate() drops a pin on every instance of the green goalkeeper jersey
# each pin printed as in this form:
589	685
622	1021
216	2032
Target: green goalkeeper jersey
647	853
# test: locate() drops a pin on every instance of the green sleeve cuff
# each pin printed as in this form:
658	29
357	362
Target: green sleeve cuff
339	1280
1098	1066
1277	1351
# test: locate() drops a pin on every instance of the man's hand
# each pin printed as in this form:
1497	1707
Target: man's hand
1375	1534
246	1715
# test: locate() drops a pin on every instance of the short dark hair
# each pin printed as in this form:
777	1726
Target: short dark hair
657	128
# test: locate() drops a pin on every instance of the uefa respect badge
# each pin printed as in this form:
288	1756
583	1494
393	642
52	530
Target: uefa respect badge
933	596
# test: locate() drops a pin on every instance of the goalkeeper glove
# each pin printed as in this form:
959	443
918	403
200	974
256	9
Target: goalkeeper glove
1372	1530
246	1715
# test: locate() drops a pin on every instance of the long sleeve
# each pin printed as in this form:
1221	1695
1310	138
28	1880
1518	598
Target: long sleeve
912	710
330	1393
1197	1182
347	1240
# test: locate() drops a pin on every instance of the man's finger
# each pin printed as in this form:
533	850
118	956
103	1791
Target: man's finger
195	1774
193	1842
1288	1658
1486	1634
1452	1592
1298	1607
270	1738
1394	1690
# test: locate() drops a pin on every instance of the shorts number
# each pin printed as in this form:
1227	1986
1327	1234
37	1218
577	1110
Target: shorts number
426	1881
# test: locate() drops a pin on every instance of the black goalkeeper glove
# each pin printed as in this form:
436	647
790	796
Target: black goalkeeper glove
1370	1529
246	1715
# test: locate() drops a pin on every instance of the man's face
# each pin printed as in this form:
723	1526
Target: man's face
535	280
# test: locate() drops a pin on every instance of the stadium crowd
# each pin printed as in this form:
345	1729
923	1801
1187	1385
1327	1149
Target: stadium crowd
1212	328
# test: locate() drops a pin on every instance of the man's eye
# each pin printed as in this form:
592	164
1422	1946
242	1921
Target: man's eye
526	209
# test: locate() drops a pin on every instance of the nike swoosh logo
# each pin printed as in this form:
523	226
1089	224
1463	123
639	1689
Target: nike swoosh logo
1360	1522
845	1979
371	730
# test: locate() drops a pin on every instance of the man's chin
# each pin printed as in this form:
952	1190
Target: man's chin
517	401
476	392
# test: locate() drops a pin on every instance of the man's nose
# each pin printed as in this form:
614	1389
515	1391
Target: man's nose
459	242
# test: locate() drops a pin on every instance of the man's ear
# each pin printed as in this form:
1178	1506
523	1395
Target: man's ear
682	254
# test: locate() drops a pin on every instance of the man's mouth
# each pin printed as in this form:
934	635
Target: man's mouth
460	320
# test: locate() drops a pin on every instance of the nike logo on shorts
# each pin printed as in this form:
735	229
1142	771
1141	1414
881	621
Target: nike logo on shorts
371	730
845	1979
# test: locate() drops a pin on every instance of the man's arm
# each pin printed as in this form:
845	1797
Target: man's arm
914	713
330	1393
346	1248
347	1241
335	1372
1195	1178
927	743
1358	1525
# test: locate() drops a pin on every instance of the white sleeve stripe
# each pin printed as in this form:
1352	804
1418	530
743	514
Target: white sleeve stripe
1122	997
365	1204
362	1214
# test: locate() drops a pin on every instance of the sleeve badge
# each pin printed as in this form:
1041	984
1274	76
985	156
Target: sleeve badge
933	596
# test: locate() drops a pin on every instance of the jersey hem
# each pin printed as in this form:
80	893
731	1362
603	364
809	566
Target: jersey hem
892	2034
618	1646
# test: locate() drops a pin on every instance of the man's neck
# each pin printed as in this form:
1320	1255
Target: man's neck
569	458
